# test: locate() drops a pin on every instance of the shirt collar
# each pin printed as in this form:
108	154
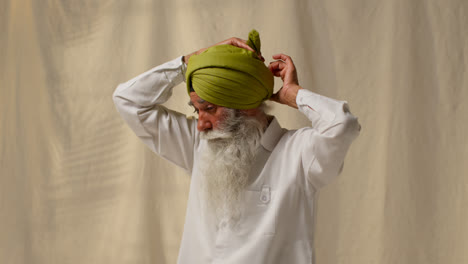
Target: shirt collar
272	135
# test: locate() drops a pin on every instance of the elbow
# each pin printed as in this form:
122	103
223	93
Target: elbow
347	128
350	121
116	96
351	125
345	124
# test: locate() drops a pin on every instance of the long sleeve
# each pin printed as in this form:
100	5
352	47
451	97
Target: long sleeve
168	133
326	143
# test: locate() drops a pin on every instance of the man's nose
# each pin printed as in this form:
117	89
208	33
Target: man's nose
203	123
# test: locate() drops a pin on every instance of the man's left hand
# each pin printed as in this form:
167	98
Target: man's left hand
284	67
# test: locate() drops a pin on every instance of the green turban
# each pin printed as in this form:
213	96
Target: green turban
229	76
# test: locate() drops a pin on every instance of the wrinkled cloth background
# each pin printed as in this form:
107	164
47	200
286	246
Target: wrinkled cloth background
77	186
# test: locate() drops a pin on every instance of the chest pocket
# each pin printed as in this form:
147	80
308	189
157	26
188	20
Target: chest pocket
259	214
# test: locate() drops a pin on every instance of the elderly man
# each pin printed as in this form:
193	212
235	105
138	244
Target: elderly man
253	184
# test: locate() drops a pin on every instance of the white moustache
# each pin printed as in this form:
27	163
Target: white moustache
215	134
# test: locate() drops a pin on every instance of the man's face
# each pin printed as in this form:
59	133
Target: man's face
231	140
209	115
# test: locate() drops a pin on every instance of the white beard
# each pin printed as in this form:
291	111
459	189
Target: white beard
226	162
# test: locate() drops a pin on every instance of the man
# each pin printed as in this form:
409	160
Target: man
253	183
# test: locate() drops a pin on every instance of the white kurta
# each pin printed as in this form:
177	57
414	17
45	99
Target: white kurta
277	222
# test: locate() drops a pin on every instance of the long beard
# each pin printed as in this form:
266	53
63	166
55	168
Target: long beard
226	162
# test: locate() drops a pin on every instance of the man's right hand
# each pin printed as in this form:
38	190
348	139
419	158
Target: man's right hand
231	41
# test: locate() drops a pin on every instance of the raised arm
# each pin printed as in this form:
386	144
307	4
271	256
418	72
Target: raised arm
168	133
325	143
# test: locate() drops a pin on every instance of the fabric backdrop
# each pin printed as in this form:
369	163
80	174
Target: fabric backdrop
77	186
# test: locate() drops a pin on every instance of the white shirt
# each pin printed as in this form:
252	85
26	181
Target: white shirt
277	223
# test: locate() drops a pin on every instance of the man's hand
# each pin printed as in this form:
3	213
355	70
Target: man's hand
231	41
284	67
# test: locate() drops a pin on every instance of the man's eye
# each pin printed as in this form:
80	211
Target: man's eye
209	108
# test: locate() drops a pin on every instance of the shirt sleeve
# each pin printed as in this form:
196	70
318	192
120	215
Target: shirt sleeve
326	143
166	132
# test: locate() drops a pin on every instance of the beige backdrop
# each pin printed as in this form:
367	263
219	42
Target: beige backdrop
76	185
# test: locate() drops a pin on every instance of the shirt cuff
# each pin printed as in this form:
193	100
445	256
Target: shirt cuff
177	74
316	106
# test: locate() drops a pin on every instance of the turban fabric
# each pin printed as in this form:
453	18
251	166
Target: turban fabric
230	76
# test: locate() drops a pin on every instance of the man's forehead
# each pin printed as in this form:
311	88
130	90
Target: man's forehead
195	98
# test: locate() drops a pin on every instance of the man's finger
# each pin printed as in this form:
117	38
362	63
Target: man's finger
281	56
285	58
276	72
277	65
237	42
240	43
